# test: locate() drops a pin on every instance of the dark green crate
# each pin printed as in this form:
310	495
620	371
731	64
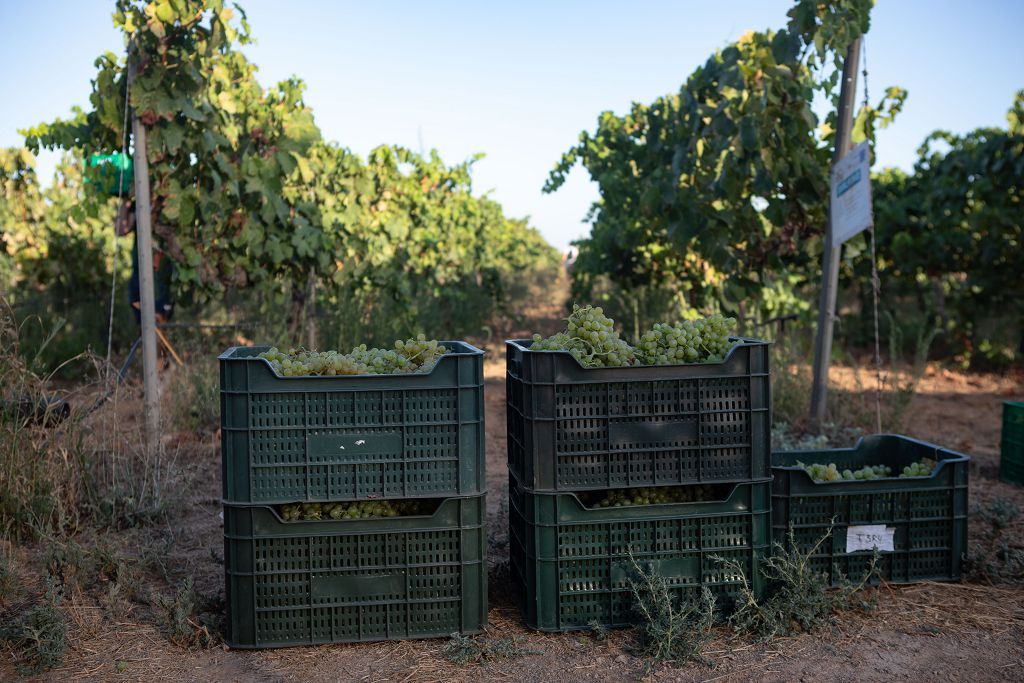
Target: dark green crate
1011	451
570	563
304	583
928	514
291	439
572	428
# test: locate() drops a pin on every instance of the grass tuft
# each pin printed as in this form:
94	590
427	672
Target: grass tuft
996	554
463	650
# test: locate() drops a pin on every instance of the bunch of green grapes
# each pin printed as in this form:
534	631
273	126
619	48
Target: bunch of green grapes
822	473
411	355
591	338
829	473
917	469
420	352
692	341
662	495
359	509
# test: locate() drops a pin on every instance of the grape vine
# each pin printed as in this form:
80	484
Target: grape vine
246	193
718	190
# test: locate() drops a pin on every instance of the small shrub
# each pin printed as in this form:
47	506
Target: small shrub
37	635
187	618
996	554
464	650
598	630
799	599
670	630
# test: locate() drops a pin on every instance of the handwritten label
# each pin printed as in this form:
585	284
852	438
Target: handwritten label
869	537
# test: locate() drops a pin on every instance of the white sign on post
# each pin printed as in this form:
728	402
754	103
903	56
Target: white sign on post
869	537
851	194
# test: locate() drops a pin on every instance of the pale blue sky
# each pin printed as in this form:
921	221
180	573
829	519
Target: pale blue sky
519	80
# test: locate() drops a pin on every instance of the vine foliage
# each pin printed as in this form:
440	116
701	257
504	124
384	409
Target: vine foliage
719	190
246	192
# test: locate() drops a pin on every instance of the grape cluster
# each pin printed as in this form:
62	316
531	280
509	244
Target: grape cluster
917	469
822	473
655	496
692	341
591	338
360	509
411	355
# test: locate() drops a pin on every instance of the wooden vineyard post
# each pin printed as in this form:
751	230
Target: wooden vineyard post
144	235
830	257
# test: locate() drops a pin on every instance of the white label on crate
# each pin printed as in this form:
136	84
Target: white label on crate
869	537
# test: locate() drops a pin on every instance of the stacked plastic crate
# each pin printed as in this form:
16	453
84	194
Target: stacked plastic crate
354	438
575	433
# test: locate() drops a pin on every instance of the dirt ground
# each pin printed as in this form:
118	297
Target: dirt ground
925	632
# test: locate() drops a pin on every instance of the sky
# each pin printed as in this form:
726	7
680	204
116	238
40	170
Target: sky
518	81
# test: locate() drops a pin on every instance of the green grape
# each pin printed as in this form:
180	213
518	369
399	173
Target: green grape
366	509
659	495
411	355
591	339
691	341
822	473
917	469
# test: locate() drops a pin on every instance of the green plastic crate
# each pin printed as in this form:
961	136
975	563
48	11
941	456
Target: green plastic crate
1011	451
304	583
570	563
320	439
926	516
572	428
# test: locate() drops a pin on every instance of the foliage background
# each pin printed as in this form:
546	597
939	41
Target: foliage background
263	219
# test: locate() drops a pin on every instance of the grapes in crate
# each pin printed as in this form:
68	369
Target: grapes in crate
654	495
591	339
411	355
360	509
822	473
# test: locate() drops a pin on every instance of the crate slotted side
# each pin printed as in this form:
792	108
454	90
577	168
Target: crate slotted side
1011	447
570	564
290	439
313	582
928	514
575	429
